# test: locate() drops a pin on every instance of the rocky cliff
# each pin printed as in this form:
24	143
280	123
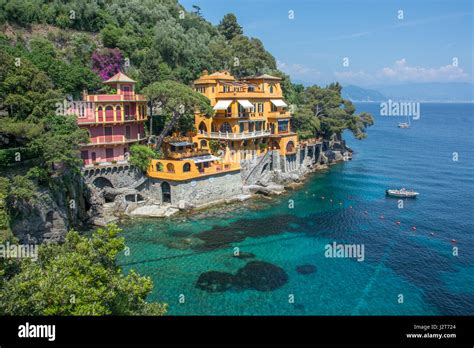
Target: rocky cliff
54	210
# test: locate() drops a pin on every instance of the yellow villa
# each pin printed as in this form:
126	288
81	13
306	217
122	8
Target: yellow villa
250	119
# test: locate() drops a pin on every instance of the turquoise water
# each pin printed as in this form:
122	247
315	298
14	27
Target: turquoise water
275	240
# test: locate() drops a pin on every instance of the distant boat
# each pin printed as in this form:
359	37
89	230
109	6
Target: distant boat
404	124
403	192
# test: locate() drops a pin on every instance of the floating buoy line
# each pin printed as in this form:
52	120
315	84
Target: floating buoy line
382	217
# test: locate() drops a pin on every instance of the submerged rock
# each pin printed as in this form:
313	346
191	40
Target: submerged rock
255	275
244	255
306	269
214	281
261	276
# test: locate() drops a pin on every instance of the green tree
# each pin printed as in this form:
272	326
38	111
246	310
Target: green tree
78	277
111	35
60	141
140	156
229	27
177	103
324	112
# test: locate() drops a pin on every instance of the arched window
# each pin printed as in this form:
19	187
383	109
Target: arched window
170	167
109	113
226	128
186	167
290	146
100	114
203	143
118	111
159	166
271	88
202	127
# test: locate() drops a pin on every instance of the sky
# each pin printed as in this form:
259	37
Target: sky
362	42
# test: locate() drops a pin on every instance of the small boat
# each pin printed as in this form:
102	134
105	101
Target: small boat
403	192
404	124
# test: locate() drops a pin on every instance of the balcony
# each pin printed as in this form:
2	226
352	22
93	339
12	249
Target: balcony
178	155
279	114
187	170
112	140
235	136
248	95
85	121
116	97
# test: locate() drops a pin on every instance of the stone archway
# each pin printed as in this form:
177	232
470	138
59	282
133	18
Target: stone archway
165	192
202	128
101	182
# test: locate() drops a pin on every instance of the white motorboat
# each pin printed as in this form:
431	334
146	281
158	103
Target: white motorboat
403	192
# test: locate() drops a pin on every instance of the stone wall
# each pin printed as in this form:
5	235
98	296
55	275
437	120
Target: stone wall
118	176
196	192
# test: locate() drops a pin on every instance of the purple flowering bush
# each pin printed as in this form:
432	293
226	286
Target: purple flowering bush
107	62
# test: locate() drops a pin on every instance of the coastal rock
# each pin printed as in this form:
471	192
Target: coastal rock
185	205
103	221
154	211
50	215
266	190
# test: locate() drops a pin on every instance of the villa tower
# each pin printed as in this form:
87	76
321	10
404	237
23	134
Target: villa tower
114	121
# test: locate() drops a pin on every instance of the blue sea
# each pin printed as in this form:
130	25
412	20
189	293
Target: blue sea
422	266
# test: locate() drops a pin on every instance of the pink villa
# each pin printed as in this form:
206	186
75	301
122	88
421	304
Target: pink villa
114	122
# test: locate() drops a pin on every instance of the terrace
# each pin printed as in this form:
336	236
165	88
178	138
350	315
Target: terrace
190	168
234	136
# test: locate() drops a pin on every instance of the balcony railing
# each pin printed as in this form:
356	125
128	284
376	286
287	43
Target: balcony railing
235	136
115	97
90	119
278	114
177	155
112	139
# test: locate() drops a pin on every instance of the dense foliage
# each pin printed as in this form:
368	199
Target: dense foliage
323	112
140	156
78	277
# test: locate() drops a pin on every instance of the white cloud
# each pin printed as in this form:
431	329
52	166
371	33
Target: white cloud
298	70
400	71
